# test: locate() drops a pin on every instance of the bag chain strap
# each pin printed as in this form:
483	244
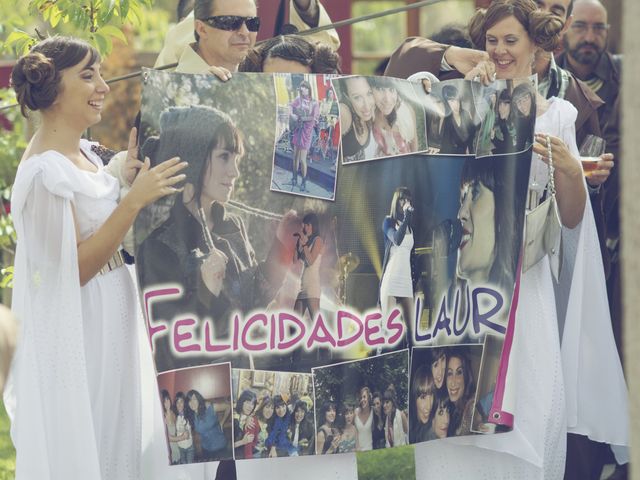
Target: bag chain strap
552	183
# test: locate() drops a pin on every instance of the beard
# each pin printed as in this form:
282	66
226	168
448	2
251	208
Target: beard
584	57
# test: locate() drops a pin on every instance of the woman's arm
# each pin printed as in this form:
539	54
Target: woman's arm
396	235
312	252
570	188
320	437
150	185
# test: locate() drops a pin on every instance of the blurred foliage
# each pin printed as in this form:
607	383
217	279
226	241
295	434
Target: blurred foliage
388	463
7	452
341	383
97	21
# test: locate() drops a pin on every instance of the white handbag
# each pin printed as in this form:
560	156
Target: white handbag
543	228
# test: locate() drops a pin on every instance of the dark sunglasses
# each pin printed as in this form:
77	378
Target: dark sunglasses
231	23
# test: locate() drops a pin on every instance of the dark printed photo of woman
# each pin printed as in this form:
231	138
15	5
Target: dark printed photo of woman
245	425
461	388
301	432
396	424
503	133
309	249
457	129
399	272
423	391
523	107
328	434
200	245
303	116
357	109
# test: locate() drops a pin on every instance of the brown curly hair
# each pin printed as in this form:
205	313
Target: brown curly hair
36	76
544	28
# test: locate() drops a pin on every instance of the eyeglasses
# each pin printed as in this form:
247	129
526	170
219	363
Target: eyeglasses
583	27
231	23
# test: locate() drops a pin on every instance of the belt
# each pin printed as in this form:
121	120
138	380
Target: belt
116	260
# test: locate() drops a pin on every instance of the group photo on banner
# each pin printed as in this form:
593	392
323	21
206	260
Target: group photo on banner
338	270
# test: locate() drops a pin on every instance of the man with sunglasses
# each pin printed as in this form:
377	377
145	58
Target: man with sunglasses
225	30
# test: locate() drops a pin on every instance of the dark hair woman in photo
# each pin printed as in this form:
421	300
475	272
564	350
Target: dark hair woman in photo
309	249
303	116
377	435
423	391
357	109
184	430
503	134
440	417
209	427
461	388
364	419
328	434
76	304
457	127
523	107
245	425
301	433
278	444
394	123
200	245
399	272
169	417
265	414
396	425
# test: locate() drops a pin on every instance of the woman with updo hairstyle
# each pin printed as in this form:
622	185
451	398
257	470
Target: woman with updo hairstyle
76	303
548	387
291	54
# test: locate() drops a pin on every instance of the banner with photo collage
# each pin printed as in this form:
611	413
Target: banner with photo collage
337	271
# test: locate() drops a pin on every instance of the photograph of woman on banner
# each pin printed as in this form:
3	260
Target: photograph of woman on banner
328	434
503	134
461	388
304	112
423	392
441	417
486	109
184	431
349	433
357	109
377	436
457	129
170	424
435	113
394	124
309	249
208	425
200	245
489	202
396	424
364	419
399	269
301	433
277	443
245	425
264	413
524	109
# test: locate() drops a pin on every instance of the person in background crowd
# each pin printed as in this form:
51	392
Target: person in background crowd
378	421
225	46
453	34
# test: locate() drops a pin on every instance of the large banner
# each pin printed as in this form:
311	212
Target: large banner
337	272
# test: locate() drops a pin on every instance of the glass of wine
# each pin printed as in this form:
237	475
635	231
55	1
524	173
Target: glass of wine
591	149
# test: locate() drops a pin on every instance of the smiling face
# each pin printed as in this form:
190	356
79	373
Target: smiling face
248	406
504	108
441	422
299	415
476	252
523	104
180	405
281	410
330	415
226	48
267	411
438	368
586	40
167	403
386	99
193	403
377	406
510	49
220	176
424	403
388	407
455	379
81	96
364	399
360	95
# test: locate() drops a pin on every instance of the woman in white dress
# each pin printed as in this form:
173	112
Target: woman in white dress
549	381
75	304
396	285
364	420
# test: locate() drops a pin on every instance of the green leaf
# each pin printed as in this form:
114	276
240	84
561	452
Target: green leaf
103	43
113	31
124	9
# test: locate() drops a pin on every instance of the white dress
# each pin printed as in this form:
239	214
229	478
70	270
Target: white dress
73	394
396	280
553	389
365	432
